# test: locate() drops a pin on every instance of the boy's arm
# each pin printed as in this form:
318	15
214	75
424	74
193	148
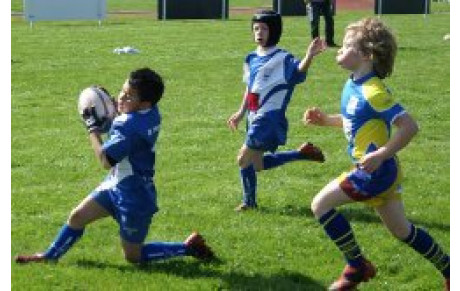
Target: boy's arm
316	47
334	120
407	129
317	117
96	144
93	123
244	103
236	117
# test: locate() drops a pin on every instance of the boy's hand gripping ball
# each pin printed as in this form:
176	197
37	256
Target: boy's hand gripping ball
97	109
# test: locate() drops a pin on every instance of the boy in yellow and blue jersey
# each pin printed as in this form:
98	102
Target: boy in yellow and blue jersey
368	112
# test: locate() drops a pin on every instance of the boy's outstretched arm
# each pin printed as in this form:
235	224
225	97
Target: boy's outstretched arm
407	129
316	47
317	117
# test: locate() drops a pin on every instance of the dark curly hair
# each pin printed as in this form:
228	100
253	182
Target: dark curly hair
148	84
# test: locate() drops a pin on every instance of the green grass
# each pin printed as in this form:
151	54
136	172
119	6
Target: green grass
279	247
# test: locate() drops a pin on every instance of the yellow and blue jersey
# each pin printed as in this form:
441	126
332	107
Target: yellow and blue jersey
368	110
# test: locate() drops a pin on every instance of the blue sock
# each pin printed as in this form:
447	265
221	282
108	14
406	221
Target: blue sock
162	250
280	158
249	183
339	230
424	244
63	242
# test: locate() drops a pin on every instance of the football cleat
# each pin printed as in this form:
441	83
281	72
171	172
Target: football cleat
311	152
196	247
35	258
244	207
351	277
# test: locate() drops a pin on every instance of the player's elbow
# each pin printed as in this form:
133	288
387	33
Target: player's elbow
106	166
416	128
408	125
413	128
104	160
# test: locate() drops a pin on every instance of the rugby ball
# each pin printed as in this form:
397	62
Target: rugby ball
102	102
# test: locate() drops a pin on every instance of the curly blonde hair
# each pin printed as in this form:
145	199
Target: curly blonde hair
375	40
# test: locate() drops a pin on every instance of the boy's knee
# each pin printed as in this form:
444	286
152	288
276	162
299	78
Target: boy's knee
400	233
76	218
243	161
317	207
243	164
132	258
132	253
240	161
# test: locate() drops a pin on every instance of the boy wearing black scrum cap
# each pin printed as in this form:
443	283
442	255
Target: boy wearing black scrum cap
270	74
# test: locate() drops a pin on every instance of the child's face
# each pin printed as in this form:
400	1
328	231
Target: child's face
348	56
261	32
128	101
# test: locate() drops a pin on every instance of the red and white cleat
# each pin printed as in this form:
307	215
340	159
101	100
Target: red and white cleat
35	258
196	246
351	277
311	152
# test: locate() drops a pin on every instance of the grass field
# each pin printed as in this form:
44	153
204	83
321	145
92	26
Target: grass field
278	247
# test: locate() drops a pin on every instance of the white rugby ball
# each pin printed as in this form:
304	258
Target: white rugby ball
103	103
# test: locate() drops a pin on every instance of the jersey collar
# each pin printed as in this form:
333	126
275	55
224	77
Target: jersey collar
266	52
363	78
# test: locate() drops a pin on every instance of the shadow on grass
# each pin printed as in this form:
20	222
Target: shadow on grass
368	215
287	210
232	280
360	214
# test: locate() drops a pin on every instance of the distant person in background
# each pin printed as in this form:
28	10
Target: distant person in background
315	8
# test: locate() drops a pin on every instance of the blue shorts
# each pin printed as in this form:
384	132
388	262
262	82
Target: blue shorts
266	134
374	189
134	226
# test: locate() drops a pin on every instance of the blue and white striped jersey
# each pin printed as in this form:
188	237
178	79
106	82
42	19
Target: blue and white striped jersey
272	77
131	145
